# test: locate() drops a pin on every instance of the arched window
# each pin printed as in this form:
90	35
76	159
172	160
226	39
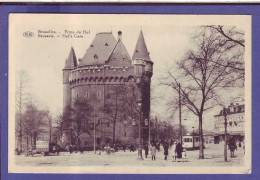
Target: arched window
99	94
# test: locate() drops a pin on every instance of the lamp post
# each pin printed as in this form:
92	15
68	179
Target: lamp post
225	125
140	157
193	137
94	131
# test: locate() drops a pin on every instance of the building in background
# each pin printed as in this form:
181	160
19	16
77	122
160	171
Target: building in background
235	123
107	64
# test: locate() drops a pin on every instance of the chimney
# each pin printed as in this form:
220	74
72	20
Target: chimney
119	35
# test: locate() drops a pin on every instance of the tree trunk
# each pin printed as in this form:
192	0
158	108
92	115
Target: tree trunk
27	144
114	132
201	150
78	142
20	141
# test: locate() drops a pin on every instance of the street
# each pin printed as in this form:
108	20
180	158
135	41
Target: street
213	157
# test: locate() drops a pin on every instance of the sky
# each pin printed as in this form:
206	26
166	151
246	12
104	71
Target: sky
167	38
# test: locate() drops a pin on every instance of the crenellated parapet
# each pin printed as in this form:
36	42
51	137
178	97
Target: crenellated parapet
102	74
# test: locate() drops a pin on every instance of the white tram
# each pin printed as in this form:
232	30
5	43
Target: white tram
191	141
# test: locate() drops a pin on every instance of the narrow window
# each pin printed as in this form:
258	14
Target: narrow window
99	94
87	95
125	134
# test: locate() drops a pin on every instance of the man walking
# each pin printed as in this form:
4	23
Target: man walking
166	148
146	149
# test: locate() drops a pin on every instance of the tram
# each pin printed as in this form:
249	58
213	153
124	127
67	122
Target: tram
191	141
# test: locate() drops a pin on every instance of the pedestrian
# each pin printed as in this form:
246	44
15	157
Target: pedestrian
173	151
131	148
54	149
166	148
244	147
158	147
232	147
146	149
153	152
58	150
81	150
179	150
71	149
124	147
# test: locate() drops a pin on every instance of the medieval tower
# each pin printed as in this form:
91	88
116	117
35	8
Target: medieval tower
107	63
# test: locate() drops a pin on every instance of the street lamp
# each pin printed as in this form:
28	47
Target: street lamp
140	157
225	126
193	136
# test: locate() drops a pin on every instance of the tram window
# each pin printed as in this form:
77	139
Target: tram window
187	139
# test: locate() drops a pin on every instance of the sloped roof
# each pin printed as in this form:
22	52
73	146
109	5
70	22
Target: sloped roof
236	109
71	61
141	49
99	50
119	55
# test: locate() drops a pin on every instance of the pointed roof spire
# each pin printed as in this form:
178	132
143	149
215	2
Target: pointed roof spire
71	61
141	49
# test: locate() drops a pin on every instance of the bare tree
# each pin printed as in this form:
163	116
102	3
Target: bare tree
22	80
205	70
77	119
235	37
33	122
114	107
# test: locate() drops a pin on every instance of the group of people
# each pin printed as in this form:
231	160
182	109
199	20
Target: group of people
176	150
232	146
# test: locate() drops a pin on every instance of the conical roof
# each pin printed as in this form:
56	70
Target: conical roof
71	61
141	49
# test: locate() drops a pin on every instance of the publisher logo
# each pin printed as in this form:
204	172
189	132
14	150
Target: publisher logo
28	34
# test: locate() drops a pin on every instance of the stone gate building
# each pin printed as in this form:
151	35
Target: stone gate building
107	63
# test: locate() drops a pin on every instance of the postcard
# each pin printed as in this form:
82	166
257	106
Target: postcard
129	94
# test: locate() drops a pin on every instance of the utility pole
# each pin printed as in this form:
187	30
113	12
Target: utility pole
193	145
149	126
139	104
180	111
225	125
94	131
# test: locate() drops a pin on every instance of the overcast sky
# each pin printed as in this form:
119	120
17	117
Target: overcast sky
167	38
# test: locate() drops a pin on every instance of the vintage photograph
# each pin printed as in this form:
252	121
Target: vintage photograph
117	93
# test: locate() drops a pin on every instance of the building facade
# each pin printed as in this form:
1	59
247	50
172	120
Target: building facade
107	64
235	115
